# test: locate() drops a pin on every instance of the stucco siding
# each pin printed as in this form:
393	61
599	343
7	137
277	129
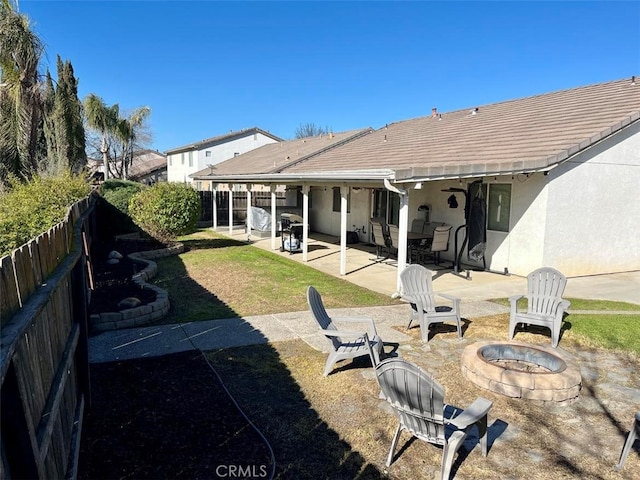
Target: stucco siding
324	220
593	224
521	251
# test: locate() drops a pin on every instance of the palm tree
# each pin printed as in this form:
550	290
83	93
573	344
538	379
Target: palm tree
128	134
105	120
20	89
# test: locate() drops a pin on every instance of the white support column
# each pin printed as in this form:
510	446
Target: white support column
305	221
214	205
403	226
344	192
274	219
230	185
249	220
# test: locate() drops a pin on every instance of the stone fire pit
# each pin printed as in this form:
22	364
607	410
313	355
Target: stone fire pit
520	370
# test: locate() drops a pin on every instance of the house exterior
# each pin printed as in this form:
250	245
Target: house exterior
268	160
148	166
188	159
557	175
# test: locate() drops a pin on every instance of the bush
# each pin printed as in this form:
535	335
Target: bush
166	210
29	209
119	192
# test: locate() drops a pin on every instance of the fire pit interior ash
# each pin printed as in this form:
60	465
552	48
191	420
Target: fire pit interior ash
522	371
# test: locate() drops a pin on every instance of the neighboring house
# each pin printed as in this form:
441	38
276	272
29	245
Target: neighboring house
188	159
148	166
558	175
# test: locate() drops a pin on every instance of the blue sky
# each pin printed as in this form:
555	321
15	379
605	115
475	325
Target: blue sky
207	67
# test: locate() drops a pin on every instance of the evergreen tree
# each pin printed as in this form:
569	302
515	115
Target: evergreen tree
68	118
49	127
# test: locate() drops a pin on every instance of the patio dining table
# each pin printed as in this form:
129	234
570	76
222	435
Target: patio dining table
415	240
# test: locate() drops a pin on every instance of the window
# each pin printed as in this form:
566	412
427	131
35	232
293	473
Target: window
336	200
499	207
170	159
386	205
191	159
198	185
182	158
207	153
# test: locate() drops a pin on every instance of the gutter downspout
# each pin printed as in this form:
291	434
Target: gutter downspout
403	221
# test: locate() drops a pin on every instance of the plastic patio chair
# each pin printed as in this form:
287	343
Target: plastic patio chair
417	289
545	305
380	239
633	435
345	344
418	402
439	243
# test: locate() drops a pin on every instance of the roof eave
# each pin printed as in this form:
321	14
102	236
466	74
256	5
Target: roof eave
280	178
221	139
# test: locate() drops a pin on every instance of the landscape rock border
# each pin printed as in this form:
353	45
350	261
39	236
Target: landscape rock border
143	314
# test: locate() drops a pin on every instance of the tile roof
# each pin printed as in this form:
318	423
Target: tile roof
146	162
221	139
526	134
274	157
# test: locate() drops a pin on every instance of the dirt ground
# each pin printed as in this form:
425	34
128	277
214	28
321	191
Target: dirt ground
169	417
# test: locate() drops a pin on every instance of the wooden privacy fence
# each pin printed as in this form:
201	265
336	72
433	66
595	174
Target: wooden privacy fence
45	292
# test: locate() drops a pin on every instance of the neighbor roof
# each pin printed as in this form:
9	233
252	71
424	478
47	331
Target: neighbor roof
146	162
209	142
524	135
274	157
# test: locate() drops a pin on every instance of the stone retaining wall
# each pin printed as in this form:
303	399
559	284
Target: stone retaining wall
143	314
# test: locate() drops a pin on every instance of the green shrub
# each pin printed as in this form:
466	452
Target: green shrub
166	210
119	192
29	209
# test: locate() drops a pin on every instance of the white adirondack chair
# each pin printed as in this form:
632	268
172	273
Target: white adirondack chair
418	401
416	288
345	344
634	434
545	305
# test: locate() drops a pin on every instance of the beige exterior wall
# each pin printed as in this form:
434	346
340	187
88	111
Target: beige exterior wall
595	225
323	219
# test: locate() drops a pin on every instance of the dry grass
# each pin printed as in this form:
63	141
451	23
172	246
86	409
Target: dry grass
336	427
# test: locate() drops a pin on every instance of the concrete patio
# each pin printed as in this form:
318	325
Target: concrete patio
380	276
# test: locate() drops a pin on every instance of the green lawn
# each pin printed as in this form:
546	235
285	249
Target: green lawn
217	277
601	329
